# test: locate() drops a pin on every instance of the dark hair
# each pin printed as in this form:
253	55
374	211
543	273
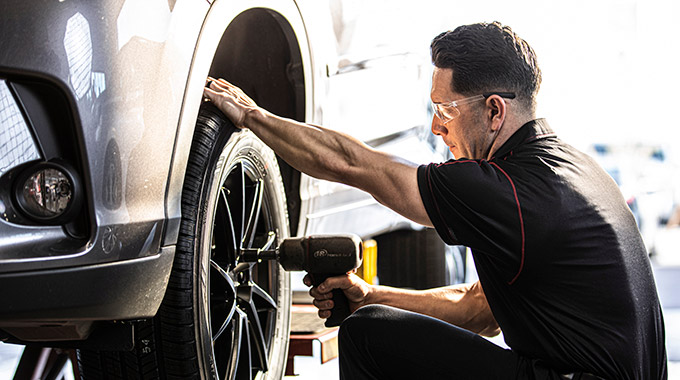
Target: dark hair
488	57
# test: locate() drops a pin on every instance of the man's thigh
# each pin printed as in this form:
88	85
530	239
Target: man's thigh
382	342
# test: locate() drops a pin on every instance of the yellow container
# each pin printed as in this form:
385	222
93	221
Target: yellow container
369	267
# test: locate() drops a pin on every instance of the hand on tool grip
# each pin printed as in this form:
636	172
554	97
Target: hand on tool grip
231	100
355	289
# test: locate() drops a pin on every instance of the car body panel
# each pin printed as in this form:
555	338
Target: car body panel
127	134
131	73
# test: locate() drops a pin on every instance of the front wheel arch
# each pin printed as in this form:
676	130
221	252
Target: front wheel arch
221	318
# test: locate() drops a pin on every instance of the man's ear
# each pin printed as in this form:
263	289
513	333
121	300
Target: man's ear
496	111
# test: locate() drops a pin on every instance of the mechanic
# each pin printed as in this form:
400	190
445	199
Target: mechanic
563	272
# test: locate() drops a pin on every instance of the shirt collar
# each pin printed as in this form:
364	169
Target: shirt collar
533	130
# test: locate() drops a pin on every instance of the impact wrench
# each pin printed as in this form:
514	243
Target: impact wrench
322	256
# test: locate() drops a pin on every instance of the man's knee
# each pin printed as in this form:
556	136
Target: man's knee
361	322
370	312
361	319
382	325
359	330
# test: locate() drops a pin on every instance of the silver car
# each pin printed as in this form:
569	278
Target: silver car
125	199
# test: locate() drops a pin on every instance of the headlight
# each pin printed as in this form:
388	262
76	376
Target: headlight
48	192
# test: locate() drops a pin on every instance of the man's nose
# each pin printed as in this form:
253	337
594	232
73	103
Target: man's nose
438	128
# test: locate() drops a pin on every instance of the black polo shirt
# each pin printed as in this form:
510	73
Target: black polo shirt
558	254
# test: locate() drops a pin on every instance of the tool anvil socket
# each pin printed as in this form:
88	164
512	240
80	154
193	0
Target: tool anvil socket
321	253
322	256
332	254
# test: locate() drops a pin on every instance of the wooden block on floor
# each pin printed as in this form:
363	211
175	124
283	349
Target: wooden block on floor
307	327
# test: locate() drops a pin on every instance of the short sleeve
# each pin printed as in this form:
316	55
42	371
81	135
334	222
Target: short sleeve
431	207
474	203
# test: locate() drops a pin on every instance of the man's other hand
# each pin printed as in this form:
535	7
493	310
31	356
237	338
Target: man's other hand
231	100
356	290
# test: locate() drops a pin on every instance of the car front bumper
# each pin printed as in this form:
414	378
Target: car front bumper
129	289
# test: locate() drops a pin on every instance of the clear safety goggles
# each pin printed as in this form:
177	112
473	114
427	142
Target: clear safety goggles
449	111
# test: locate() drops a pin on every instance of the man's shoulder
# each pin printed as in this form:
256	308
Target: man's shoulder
461	173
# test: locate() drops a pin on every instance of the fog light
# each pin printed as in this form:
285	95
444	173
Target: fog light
47	192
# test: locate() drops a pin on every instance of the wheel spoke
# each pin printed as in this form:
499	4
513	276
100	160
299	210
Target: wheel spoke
235	197
262	300
245	361
230	218
242	267
242	172
231	308
266	306
271	239
253	300
259	345
253	216
236	343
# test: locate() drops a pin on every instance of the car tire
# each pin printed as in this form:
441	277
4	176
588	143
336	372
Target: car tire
418	259
221	318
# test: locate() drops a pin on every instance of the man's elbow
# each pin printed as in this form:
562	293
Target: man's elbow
490	331
484	325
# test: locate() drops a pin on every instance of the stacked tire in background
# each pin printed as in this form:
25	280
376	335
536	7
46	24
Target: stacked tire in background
418	260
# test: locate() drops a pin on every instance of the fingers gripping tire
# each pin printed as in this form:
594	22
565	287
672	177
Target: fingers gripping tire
220	318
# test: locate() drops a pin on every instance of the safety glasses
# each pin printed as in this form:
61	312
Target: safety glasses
449	111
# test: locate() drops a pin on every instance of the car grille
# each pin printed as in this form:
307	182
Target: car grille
16	141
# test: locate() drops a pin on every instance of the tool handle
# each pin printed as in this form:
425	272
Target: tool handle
340	309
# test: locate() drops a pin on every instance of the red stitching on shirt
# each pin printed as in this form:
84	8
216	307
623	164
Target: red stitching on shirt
456	162
521	221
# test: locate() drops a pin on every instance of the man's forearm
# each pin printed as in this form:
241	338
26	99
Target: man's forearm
317	151
462	305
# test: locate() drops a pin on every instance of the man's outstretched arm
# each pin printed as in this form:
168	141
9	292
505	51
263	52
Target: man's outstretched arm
326	154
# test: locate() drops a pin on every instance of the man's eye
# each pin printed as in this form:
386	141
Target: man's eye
449	112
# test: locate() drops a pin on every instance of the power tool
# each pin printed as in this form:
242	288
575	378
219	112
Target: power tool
322	256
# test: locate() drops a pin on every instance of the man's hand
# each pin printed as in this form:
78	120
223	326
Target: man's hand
356	290
231	100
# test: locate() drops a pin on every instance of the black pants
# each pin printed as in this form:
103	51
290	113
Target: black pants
382	342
